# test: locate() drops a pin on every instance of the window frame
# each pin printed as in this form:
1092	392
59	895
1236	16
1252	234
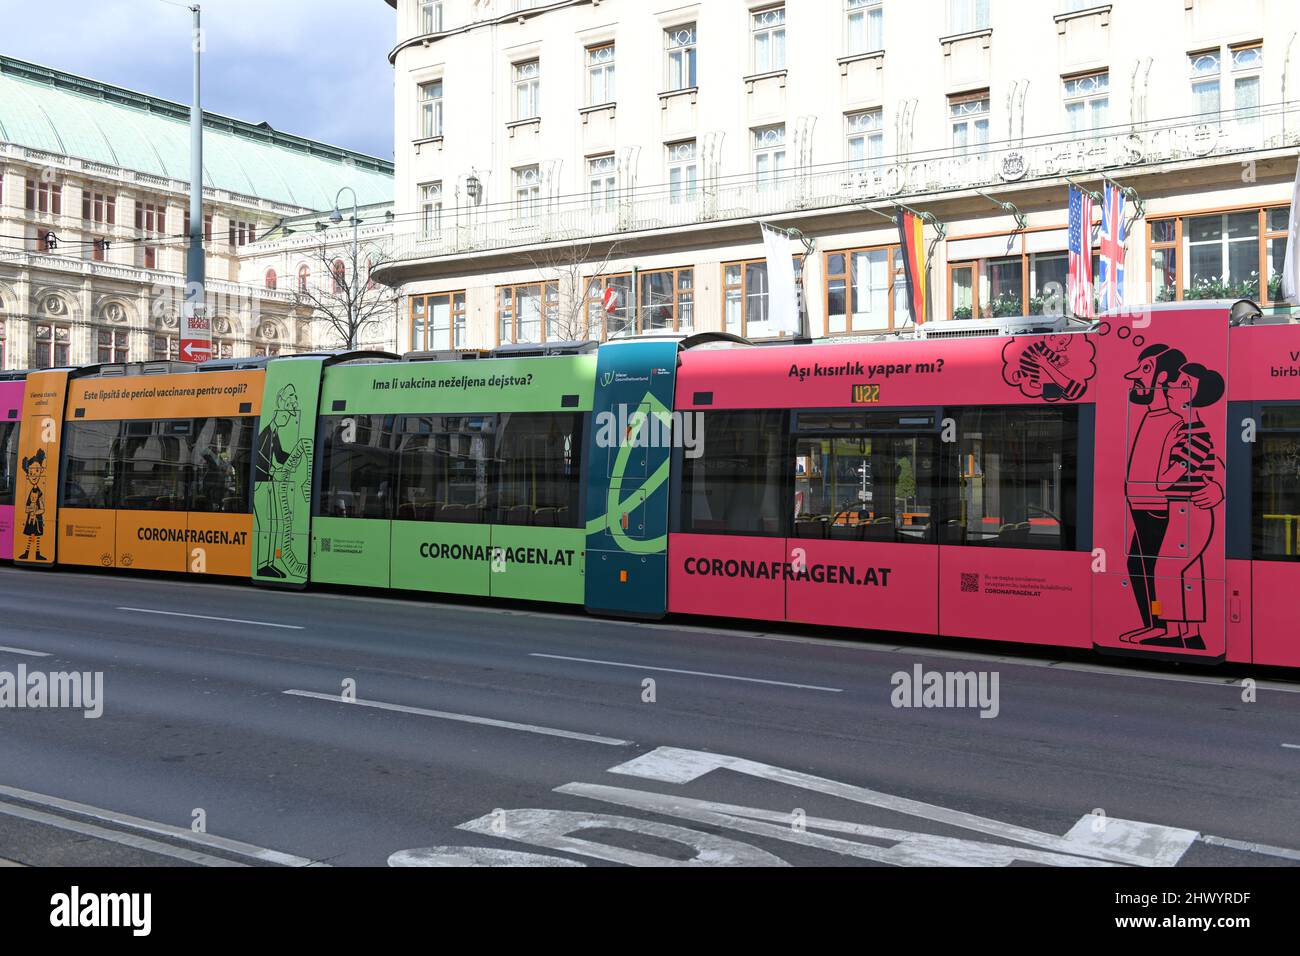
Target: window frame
431	109
727	286
975	124
1181	246
527	89
456	301
605	69
681	59
1087	101
549	298
871	14
894	265
687	188
770	36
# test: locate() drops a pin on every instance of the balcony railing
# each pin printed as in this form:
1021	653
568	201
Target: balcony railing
1113	150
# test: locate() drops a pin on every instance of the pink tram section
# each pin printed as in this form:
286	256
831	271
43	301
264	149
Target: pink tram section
11	484
1082	489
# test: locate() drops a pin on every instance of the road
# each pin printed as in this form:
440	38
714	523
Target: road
533	736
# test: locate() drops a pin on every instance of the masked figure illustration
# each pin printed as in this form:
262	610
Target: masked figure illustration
34	509
1172	469
280	450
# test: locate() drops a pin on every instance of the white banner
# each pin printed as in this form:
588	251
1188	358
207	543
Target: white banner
782	301
1292	244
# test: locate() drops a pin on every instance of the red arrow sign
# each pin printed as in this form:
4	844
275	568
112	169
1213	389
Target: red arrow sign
196	350
609	299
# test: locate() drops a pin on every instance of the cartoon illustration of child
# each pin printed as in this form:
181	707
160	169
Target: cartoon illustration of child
34	523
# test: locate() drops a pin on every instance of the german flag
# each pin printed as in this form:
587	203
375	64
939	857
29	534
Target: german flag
911	239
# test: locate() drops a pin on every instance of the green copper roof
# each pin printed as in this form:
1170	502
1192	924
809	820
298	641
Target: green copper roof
61	113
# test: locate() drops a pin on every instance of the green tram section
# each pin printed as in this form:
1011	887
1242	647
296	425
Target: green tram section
461	477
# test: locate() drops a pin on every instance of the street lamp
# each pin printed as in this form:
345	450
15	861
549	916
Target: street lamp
336	217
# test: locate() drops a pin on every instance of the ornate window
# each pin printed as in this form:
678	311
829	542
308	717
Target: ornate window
527	89
683	171
681	44
271	279
600	74
768	32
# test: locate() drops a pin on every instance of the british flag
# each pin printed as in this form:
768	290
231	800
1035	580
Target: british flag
1110	271
1080	279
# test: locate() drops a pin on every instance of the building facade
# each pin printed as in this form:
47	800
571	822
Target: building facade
546	152
94	211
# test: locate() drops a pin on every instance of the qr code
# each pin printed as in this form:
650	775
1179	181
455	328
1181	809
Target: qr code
324	544
970	583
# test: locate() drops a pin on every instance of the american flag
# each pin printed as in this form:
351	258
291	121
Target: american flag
1080	280
1110	271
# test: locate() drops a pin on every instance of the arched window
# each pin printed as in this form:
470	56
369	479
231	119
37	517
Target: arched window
340	276
304	273
270	279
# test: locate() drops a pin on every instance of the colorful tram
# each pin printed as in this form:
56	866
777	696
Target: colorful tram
1132	487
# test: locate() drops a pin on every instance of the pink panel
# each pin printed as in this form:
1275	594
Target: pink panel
726	576
11	400
1164	553
1008	371
1275	585
1265	363
1035	597
881	586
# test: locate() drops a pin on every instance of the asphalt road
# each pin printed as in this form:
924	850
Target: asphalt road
490	734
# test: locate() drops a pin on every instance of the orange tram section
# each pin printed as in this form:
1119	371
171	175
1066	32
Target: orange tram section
151	466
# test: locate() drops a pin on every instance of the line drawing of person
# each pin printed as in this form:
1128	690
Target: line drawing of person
274	472
1188	477
34	509
1149	383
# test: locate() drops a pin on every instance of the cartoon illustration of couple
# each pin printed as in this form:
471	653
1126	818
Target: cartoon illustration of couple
1172	475
34	509
280	451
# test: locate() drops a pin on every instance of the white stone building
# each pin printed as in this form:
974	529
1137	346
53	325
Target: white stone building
647	140
94	207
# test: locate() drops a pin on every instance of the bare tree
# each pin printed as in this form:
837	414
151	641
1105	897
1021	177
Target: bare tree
340	294
572	267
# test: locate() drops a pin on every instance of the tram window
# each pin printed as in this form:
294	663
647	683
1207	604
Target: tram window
1017	478
737	485
445	468
539	461
864	477
222	455
8	461
88	467
359	466
1276	479
156	466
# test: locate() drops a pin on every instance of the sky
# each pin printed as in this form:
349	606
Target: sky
315	68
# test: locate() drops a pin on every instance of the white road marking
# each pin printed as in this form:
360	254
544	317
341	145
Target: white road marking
1159	844
1261	848
464	718
19	650
459	856
210	617
1292	746
908	848
676	765
113	836
236	847
675	670
558	829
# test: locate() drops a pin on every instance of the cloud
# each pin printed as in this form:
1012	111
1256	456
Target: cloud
316	68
